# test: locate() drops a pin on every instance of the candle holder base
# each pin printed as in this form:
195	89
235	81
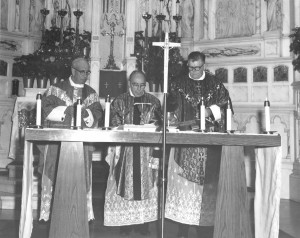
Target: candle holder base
201	131
36	127
106	128
230	131
76	127
269	132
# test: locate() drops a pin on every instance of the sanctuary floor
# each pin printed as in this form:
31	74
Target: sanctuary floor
9	220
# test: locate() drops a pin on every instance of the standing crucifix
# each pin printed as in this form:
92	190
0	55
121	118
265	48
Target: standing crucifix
166	45
111	61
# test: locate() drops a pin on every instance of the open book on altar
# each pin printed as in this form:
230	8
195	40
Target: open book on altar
143	128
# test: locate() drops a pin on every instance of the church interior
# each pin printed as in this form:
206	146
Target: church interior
251	46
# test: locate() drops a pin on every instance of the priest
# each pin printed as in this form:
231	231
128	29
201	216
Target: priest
58	110
132	195
193	172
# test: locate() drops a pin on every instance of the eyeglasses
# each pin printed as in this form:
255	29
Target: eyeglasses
136	85
195	68
83	72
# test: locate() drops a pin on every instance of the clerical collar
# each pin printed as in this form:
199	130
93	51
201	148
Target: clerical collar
131	94
75	85
201	78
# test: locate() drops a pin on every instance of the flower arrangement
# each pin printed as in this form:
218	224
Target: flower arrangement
295	47
53	58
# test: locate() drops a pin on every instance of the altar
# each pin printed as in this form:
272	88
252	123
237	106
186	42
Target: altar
232	219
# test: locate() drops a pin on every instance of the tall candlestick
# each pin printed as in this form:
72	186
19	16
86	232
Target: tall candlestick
107	111
202	115
228	117
78	113
267	115
38	110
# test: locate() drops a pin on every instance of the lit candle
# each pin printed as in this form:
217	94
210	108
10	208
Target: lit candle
78	113
202	115
107	111
38	109
77	5
267	114
45	4
161	6
228	117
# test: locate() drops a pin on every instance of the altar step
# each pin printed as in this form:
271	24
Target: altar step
11	185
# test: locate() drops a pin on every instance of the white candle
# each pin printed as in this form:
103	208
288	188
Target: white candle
78	113
161	6
267	114
228	117
177	7
202	115
77	5
46	4
107	111
38	109
147	6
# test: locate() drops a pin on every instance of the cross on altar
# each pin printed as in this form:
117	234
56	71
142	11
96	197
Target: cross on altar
120	84
106	84
166	45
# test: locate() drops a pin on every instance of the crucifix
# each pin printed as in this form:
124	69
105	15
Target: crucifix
166	45
111	61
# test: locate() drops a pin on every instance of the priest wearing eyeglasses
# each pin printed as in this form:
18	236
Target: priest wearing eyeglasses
193	172
58	112
132	195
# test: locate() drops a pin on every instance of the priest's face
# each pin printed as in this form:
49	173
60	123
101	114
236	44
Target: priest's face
80	71
196	68
137	85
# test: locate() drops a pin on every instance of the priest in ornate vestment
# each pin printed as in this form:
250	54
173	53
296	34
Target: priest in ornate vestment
132	195
193	171
58	110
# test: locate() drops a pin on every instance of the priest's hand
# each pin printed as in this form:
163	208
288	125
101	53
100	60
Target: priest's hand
84	113
69	114
208	112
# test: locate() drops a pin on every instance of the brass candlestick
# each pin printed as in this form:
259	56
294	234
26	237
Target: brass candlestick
62	13
146	17
77	14
44	13
160	18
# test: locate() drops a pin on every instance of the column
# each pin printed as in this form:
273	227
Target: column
95	43
263	5
258	17
130	24
205	20
286	17
297	13
198	24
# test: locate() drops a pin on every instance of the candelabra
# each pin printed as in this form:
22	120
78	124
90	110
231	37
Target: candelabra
160	18
44	13
62	13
